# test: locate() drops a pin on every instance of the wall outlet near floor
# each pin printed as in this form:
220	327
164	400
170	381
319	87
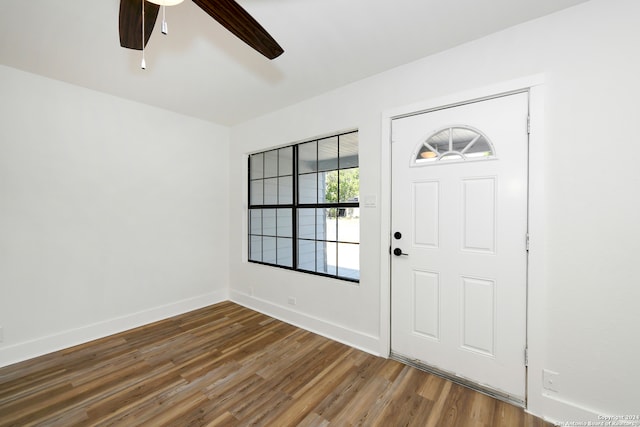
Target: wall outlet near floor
291	300
550	380
1	334
251	291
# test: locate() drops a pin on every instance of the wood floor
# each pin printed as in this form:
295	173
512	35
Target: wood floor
227	365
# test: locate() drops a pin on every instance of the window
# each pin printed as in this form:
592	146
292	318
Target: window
457	143
303	207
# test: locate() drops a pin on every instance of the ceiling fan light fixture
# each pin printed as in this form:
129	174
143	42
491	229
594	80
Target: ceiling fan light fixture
166	2
228	13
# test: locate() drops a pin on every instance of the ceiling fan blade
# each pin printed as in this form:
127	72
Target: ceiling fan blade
131	22
235	19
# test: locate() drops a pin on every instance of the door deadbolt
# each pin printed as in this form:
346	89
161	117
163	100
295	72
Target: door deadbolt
397	235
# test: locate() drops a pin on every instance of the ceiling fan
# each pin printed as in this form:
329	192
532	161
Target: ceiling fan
227	12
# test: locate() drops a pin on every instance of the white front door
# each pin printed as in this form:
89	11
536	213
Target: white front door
459	225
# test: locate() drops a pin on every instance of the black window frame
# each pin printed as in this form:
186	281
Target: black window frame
294	206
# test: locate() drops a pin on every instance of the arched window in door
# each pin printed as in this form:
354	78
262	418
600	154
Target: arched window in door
454	143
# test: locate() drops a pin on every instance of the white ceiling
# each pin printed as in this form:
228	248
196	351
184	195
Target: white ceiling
202	70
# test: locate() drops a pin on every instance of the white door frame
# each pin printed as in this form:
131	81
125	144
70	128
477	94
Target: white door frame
535	275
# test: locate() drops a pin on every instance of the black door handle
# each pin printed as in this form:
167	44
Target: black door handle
398	252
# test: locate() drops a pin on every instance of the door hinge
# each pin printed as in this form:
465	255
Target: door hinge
526	356
527	241
528	125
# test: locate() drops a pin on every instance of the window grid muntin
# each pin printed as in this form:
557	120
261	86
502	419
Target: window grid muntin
296	207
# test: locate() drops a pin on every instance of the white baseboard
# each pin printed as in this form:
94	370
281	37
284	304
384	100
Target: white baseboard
365	342
552	408
40	346
559	411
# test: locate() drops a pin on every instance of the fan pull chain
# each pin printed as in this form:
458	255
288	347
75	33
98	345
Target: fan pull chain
143	65
165	28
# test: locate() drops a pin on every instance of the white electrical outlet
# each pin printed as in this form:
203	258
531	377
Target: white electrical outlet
292	301
251	291
550	380
1	334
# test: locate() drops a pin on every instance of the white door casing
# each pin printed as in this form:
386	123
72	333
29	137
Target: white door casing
459	295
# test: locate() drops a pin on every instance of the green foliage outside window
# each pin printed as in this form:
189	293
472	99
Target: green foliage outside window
349	185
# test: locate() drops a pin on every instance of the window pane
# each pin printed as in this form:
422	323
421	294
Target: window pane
271	191
326	257
440	141
328	187
269	222
285	252
326	224
285	162
480	148
269	250
307	188
349	185
307	255
349	150
255	248
451	157
256	166
348	227
256	221
257	197
426	154
307	157
284	223
285	190
349	260
306	223
271	164
328	154
461	137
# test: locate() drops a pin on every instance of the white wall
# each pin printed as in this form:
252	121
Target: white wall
112	214
584	312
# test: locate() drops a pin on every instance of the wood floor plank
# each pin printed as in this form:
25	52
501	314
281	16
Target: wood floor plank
400	403
353	386
453	413
481	410
439	406
226	365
